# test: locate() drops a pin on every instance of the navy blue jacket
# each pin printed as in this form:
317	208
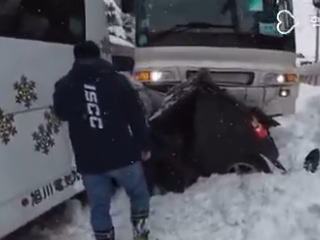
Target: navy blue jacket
105	115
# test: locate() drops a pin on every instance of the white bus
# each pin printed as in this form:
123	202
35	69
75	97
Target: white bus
309	41
36	42
237	40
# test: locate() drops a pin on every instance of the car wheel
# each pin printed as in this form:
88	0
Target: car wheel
253	165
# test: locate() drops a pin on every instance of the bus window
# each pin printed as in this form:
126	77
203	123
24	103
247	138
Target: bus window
58	21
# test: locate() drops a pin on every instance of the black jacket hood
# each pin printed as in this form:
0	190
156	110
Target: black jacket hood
86	70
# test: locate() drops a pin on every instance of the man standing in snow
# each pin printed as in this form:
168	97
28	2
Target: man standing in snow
109	137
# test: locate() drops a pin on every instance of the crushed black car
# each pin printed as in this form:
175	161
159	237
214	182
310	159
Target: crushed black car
200	129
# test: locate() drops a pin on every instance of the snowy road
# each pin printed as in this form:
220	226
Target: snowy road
252	207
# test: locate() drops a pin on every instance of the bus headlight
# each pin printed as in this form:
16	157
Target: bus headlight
281	78
154	76
286	78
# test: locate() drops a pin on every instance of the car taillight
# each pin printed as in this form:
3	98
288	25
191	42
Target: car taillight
259	129
261	132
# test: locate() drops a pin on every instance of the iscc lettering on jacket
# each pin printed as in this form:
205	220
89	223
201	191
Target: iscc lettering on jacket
93	108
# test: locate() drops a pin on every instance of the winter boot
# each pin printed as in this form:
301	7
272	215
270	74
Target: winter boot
104	235
140	228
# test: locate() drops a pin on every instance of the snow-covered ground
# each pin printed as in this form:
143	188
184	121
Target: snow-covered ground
264	207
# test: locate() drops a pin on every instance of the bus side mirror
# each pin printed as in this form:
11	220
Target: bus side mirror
316	3
127	6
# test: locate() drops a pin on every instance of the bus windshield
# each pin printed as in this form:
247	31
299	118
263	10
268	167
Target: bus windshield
217	23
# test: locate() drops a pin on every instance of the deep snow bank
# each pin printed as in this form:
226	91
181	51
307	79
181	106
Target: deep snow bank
259	206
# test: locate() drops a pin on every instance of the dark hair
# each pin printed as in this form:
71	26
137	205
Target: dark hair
87	49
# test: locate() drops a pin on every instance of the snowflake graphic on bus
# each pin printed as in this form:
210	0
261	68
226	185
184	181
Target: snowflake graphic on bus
44	136
53	122
26	93
7	129
43	139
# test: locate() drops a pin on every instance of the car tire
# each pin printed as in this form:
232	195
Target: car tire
251	165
